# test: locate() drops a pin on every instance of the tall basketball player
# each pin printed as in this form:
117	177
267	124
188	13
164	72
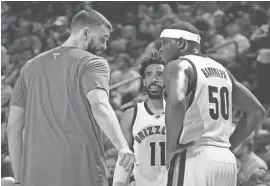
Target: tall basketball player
144	129
59	107
201	93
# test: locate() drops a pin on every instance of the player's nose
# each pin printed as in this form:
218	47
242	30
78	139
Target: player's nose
154	80
103	48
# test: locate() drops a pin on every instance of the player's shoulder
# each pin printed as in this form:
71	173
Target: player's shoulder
94	58
178	64
129	117
131	111
40	58
92	61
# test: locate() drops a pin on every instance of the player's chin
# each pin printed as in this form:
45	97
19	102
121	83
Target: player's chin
98	52
155	95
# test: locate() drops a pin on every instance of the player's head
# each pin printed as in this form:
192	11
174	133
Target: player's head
152	73
179	39
91	29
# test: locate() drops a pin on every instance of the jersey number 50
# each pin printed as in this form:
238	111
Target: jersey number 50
224	102
153	153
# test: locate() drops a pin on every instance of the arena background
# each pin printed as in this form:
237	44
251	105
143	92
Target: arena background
236	34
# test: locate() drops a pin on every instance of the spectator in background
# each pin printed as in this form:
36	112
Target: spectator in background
165	9
262	30
262	40
229	54
60	30
134	45
256	179
262	143
142	13
5	57
218	19
210	37
263	75
118	46
249	160
184	12
6	89
234	34
6	92
129	33
244	23
125	71
26	45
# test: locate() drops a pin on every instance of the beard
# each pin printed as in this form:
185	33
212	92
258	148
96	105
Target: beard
92	48
157	95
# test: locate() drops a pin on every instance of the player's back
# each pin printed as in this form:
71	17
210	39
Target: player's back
208	120
61	136
149	147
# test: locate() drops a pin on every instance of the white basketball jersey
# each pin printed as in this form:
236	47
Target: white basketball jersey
149	147
208	120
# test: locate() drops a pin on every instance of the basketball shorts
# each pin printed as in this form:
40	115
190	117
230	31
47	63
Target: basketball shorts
203	166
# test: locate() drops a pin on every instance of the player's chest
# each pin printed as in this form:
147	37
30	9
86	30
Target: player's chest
148	132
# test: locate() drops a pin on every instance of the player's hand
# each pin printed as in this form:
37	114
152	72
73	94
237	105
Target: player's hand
178	149
127	159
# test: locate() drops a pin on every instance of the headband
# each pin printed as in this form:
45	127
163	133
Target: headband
176	34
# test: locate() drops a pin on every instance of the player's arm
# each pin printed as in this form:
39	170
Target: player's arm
95	84
121	177
245	101
176	81
15	127
106	117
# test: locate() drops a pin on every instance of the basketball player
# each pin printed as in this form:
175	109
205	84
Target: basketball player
201	93
144	129
61	102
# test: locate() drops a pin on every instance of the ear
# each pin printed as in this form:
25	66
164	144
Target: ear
86	31
182	43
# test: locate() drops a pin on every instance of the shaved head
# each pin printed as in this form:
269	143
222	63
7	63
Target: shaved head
89	18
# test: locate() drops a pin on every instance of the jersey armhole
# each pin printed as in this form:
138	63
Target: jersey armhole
132	123
193	85
231	78
132	179
134	116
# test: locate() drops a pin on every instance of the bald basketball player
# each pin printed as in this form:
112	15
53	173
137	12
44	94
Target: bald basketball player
61	102
198	117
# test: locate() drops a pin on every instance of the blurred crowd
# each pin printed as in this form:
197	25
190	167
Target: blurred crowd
236	34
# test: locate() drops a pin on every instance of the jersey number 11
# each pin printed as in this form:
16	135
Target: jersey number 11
153	153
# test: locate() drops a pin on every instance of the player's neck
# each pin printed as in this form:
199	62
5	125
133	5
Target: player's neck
72	42
156	105
194	51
